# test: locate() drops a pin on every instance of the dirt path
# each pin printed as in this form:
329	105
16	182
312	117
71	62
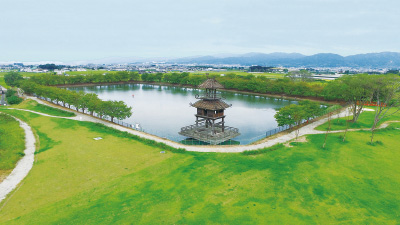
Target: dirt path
24	165
305	130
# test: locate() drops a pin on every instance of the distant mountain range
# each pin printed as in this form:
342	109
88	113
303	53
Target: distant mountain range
369	60
389	60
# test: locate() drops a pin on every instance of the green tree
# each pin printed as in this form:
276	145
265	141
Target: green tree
311	109
290	115
83	100
158	77
73	99
14	100
386	94
356	90
29	87
123	75
118	109
12	78
93	102
134	76
102	108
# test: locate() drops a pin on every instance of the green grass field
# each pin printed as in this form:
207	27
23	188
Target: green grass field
119	180
34	106
365	120
2	82
12	142
24	74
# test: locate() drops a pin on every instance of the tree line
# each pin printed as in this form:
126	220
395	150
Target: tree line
88	102
379	91
356	90
291	86
294	115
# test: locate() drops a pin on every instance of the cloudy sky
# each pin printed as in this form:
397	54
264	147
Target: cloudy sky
68	30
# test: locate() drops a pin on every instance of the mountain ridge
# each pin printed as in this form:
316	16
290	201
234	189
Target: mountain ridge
367	60
380	60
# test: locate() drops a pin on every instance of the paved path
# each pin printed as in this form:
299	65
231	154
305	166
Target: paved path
268	142
3	100
305	130
24	165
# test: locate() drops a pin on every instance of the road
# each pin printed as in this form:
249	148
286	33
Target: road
3	99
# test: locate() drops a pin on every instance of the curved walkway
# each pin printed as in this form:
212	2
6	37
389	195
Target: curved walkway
24	165
268	142
308	129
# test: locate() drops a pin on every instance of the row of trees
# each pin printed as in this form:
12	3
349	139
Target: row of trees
380	91
88	102
12	78
349	88
294	115
362	89
270	86
51	79
295	86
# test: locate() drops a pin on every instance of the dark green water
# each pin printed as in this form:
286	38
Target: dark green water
163	110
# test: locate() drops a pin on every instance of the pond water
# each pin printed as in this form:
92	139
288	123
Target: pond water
163	110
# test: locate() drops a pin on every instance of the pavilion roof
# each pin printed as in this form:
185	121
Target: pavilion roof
211	83
211	105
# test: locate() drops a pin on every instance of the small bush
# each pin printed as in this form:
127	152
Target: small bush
264	150
375	143
295	143
13	100
10	92
339	122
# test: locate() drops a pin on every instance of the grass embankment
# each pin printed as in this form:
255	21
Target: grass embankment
365	120
12	144
35	106
119	180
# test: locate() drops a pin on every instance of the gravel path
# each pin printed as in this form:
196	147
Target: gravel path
24	165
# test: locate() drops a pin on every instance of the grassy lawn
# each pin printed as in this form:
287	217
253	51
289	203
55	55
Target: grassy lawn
35	106
2	82
119	180
365	120
12	144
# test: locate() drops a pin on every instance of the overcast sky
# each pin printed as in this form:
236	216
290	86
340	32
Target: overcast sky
68	30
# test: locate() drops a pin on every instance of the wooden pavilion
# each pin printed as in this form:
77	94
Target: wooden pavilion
210	119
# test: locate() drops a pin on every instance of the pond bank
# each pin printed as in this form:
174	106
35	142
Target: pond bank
265	143
283	96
